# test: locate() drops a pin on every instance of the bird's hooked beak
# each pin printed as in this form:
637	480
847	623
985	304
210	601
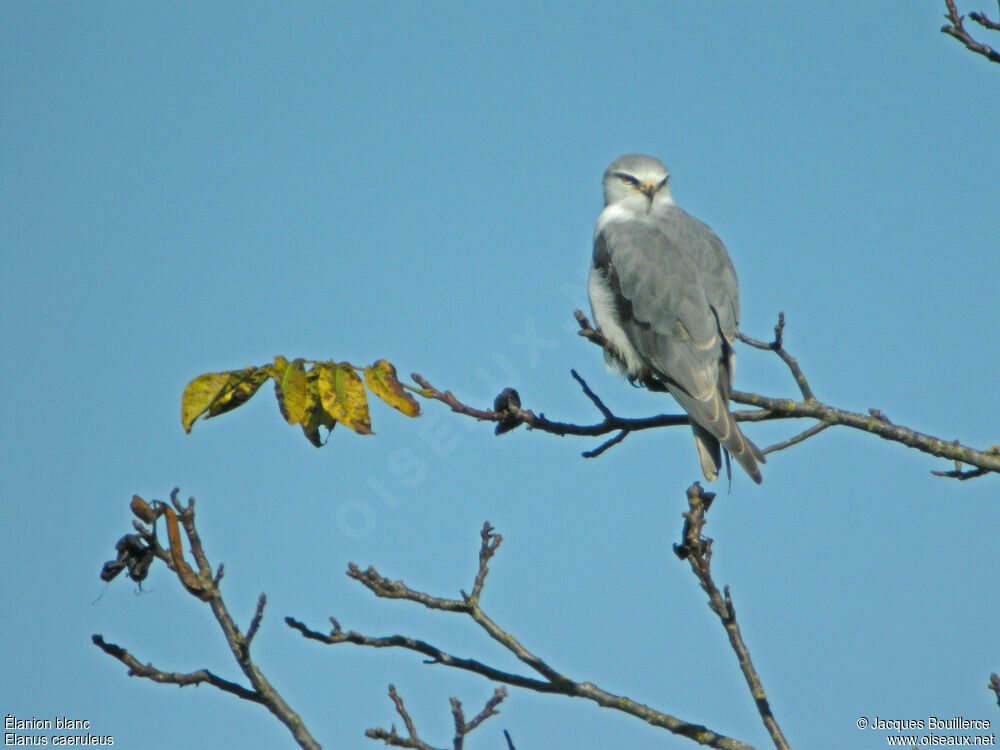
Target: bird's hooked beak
649	190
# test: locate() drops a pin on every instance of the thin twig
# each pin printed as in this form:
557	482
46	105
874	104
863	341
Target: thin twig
435	654
804	435
960	475
778	347
955	28
462	728
591	395
138	669
538	422
401	710
512	416
490	544
255	621
490	709
204	586
983	21
778	408
811	408
553	681
697	550
605	445
768	409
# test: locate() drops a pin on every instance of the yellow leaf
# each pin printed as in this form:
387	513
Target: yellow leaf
219	392
239	389
382	381
318	416
199	395
351	393
291	387
343	395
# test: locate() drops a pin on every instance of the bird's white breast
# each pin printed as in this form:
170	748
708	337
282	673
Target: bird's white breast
603	297
614	212
632	208
602	302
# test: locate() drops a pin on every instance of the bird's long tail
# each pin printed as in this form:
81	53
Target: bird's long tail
738	445
715	428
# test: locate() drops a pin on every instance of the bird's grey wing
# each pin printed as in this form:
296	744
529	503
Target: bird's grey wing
718	280
662	306
715	269
666	313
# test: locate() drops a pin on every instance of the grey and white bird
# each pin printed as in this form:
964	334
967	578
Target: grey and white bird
663	291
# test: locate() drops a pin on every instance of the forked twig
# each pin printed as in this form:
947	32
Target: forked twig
203	585
875	422
510	414
549	680
697	550
956	28
462	727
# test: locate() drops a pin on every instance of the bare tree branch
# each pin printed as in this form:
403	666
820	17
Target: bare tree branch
601	406
777	346
776	408
553	681
390	737
605	445
462	728
959	474
955	28
697	550
804	435
204	586
436	655
983	21
257	616
137	551
540	422
875	422
138	669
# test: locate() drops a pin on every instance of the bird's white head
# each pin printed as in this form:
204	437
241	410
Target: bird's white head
636	177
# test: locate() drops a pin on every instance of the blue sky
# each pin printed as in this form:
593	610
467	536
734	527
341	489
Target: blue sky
189	187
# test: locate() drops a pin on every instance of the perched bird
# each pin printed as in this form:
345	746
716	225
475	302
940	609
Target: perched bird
663	291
